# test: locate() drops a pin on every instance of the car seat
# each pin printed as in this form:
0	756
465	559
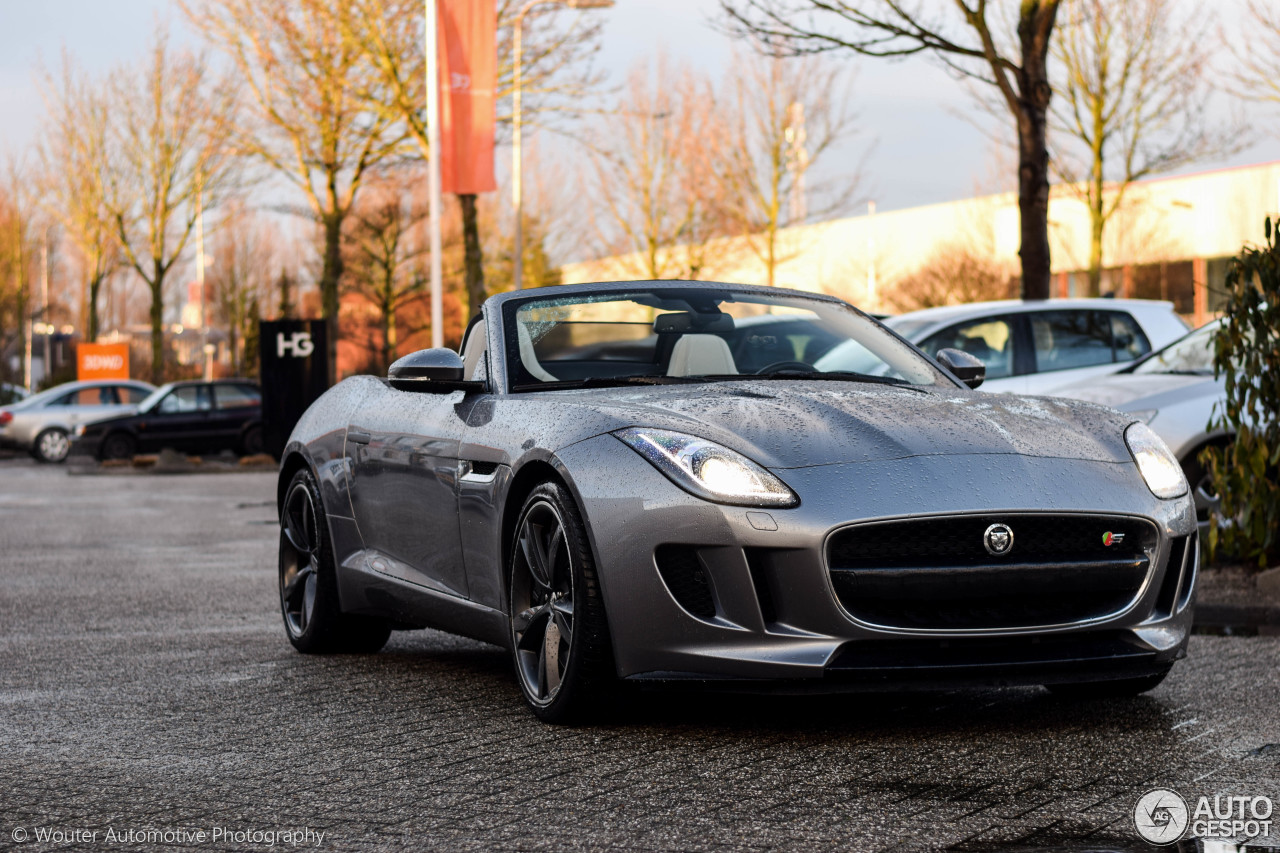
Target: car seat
701	355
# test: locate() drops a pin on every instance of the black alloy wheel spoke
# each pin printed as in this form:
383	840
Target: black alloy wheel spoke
299	521
542	603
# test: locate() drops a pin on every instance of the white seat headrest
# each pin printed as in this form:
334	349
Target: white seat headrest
701	355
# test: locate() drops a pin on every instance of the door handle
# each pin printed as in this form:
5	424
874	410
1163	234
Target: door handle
358	437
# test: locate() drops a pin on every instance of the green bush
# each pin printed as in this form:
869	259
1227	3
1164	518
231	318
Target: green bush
1246	472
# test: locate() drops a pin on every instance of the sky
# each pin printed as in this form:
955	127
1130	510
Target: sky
922	149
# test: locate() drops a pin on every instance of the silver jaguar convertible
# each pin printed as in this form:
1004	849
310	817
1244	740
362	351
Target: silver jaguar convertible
654	482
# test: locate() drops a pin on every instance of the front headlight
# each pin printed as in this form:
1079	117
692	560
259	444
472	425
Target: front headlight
79	431
1156	462
706	469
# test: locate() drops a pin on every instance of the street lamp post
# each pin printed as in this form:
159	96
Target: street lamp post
517	164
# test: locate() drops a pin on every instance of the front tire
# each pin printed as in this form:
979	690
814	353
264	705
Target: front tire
118	445
559	634
52	446
313	621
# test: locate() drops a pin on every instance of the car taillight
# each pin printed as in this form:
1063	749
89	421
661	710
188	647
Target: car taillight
5	417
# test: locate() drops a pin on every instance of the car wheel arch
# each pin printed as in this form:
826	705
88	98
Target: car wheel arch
525	480
290	465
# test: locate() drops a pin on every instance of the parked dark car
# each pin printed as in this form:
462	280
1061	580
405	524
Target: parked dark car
192	417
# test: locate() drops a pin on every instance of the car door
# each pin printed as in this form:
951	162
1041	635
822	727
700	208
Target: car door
1072	344
996	340
403	447
235	406
180	420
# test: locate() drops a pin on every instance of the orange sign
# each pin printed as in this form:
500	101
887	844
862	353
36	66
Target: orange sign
102	361
468	78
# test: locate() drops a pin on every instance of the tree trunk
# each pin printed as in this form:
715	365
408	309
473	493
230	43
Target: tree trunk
1096	222
330	275
92	324
1034	92
473	257
157	326
389	342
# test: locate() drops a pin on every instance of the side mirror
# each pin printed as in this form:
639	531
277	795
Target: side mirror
969	369
434	371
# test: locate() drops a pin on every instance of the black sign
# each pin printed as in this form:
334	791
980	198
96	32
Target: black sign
295	372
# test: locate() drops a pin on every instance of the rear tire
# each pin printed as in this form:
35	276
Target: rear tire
1118	689
313	620
559	634
252	443
118	445
51	446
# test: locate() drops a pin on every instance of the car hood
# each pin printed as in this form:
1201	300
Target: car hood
1134	391
801	424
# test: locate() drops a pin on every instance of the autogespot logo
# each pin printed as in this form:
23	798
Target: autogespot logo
1160	816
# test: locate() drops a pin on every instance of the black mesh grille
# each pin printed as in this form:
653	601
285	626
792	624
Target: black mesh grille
957	541
936	573
683	574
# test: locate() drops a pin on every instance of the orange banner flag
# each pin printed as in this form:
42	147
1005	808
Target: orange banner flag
468	33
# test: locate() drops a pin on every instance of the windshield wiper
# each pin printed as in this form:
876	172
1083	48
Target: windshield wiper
828	376
609	382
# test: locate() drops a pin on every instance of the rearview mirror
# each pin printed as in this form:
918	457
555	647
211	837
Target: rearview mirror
969	369
434	371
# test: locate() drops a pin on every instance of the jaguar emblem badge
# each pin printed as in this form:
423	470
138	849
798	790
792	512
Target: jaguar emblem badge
998	539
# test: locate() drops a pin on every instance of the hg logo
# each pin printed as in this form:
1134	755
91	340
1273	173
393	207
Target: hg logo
298	345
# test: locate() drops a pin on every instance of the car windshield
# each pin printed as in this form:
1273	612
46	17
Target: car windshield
1191	354
907	327
706	334
150	401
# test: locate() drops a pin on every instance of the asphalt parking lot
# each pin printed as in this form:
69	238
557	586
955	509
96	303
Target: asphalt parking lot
146	686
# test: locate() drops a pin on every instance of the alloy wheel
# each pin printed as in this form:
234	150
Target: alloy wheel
299	559
53	445
542	602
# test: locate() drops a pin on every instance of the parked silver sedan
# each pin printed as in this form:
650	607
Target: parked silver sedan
1174	392
43	423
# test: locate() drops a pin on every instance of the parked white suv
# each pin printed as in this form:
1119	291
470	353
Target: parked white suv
1037	347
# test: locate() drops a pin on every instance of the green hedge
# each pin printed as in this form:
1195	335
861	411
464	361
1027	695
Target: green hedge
1246	472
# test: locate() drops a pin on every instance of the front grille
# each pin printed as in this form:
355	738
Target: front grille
936	573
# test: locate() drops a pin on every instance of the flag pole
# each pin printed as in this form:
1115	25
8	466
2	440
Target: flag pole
433	182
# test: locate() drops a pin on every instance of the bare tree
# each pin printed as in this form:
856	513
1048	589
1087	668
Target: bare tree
648	168
954	275
73	150
16	250
169	151
785	114
384	246
1257	53
966	41
311	85
556	73
1132	88
240	278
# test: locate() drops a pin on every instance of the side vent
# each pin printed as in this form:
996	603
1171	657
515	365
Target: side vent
1189	569
1173	573
756	562
685	577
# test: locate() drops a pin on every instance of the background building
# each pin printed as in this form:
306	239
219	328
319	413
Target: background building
1171	239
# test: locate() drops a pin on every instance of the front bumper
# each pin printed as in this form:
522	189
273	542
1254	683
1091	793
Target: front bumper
776	616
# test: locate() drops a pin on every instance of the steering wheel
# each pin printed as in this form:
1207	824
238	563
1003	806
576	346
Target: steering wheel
778	366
